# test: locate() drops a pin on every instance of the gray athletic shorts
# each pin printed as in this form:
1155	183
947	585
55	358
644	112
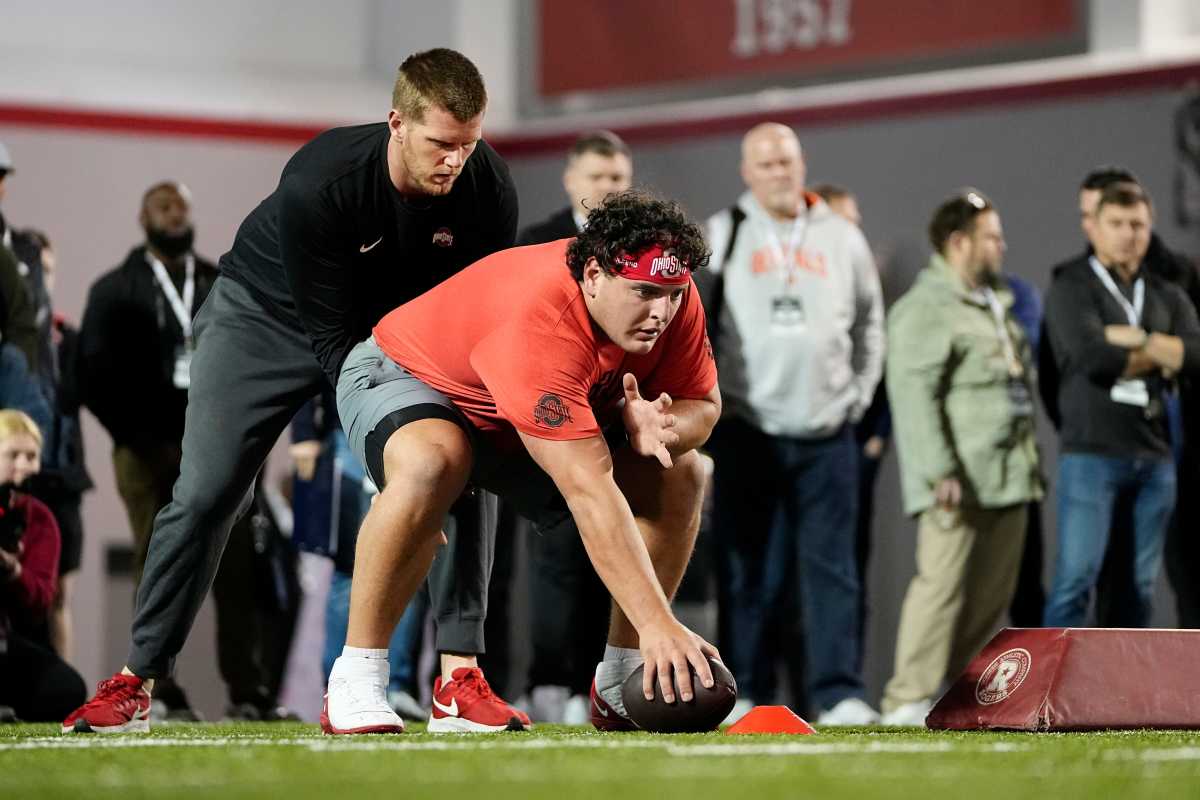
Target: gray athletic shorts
376	397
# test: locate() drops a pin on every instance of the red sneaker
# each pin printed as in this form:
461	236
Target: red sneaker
466	704
121	705
607	718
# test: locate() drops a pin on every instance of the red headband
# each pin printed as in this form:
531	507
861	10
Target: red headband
653	265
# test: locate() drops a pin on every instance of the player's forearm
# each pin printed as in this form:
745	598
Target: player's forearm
694	421
616	549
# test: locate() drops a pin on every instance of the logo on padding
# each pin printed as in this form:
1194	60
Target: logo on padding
551	411
1003	676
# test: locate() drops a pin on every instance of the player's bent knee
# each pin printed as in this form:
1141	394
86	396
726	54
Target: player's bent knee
428	455
688	476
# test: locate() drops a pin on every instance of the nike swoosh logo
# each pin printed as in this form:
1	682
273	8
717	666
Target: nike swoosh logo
450	710
603	711
367	247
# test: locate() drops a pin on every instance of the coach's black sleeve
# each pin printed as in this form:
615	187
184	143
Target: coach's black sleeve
505	231
309	234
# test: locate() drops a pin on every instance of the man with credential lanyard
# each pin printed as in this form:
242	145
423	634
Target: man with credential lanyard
135	356
796	319
960	381
1120	336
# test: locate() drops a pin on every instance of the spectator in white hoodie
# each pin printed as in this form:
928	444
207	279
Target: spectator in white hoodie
796	318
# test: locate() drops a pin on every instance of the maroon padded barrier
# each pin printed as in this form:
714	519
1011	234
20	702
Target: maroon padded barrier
1059	679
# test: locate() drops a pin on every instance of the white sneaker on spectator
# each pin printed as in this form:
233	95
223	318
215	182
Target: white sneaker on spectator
913	713
851	711
741	707
356	699
578	710
406	705
548	703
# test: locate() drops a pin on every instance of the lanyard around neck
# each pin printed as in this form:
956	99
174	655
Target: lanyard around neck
1015	368
786	258
1132	311
181	306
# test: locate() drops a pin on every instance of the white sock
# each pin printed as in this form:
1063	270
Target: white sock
622	653
364	652
618	664
360	662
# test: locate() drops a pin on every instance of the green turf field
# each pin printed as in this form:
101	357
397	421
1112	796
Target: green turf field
296	762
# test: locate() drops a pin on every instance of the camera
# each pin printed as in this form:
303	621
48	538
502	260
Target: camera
12	520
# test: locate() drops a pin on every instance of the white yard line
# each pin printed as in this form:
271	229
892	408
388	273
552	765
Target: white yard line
1155	754
347	744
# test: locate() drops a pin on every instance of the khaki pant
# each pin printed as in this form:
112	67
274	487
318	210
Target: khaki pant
967	566
144	480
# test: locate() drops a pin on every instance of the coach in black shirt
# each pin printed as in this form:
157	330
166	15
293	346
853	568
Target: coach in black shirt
364	219
1120	336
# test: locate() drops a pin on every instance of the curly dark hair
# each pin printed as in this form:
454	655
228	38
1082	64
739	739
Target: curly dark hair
628	223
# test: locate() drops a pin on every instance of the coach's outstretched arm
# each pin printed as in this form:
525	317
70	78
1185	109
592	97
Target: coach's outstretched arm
582	469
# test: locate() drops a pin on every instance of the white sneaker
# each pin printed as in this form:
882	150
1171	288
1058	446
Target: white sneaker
851	711
910	714
741	707
356	699
406	705
578	710
548	703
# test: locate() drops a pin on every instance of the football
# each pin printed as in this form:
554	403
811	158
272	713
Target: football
704	712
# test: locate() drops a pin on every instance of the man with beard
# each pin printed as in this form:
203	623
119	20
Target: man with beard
364	218
136	331
960	381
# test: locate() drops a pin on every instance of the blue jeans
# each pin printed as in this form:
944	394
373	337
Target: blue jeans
784	515
1088	489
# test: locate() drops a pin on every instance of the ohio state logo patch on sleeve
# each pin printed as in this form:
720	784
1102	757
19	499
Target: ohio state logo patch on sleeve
551	411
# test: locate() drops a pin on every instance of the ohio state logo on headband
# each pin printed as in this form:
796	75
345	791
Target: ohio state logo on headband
652	264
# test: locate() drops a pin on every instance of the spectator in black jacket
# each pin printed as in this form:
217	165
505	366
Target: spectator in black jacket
1120	337
134	347
17	325
598	164
1115	591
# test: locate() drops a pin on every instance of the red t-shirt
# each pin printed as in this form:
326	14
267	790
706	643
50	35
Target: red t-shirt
510	341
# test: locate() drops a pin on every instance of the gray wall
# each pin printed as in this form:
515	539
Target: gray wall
1028	158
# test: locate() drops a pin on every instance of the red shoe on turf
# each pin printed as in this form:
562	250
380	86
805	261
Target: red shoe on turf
607	718
121	705
466	704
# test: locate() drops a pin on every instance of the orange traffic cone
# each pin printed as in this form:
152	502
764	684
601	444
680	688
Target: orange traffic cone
771	719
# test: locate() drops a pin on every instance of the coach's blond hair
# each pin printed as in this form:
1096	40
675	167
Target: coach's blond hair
14	422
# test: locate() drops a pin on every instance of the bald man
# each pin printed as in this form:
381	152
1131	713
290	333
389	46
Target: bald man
794	303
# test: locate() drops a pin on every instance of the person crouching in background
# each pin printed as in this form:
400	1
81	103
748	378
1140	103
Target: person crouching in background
38	685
